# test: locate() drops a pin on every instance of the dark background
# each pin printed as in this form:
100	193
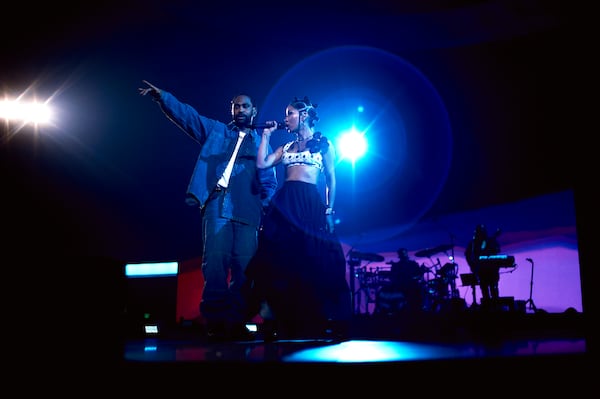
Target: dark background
109	178
106	184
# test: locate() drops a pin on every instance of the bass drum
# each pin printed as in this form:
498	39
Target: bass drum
391	300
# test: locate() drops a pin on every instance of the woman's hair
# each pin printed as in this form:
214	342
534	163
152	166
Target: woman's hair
304	104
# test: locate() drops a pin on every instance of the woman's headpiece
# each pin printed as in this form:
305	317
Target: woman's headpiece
304	104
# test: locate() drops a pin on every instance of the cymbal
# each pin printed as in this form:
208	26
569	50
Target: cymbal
444	247
370	257
424	253
427	252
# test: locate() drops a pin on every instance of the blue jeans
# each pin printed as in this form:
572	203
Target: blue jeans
228	247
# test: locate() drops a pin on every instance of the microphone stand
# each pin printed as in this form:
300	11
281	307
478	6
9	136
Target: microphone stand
530	300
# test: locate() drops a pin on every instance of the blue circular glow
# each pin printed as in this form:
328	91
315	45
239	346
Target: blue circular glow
399	114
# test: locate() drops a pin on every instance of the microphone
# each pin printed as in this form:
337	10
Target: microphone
529	260
266	125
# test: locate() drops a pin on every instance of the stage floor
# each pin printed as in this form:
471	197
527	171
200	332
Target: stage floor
473	340
468	352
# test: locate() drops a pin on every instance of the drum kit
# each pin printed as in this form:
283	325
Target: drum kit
437	283
367	278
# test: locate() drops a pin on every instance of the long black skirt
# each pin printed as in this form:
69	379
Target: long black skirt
299	268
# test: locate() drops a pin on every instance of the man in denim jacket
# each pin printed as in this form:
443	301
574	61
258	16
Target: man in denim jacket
231	193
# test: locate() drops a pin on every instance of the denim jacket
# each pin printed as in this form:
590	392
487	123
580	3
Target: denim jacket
250	189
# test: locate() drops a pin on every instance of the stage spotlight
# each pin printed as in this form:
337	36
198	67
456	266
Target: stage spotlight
352	145
26	112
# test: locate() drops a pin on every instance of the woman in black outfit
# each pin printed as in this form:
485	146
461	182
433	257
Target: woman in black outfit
299	270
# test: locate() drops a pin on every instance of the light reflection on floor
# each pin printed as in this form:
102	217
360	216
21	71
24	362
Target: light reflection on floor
350	351
374	351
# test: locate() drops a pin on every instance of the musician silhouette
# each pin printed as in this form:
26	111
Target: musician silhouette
403	293
488	276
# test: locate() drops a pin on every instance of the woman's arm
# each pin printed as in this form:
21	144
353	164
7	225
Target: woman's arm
263	158
330	180
330	186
